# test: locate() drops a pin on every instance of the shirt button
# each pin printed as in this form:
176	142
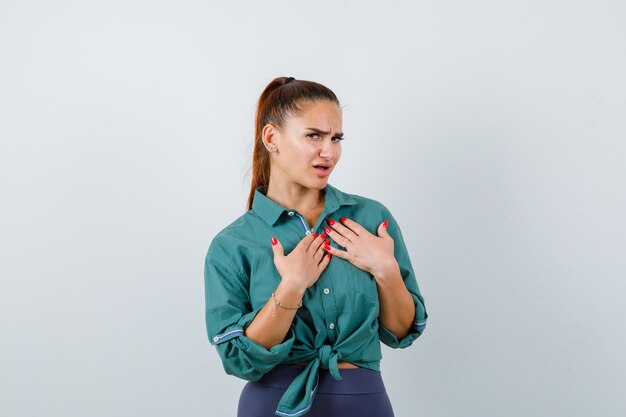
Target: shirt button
290	213
215	339
308	232
331	326
326	290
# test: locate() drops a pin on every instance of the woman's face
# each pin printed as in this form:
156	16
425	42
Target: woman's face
310	140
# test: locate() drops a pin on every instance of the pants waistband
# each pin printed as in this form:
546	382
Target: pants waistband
353	380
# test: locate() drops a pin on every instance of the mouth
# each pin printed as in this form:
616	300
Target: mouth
323	165
322	169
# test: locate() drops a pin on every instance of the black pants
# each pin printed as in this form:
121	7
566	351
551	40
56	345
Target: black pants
360	393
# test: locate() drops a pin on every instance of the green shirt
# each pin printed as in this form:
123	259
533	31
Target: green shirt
339	316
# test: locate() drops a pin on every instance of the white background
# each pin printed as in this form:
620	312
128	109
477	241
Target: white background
493	130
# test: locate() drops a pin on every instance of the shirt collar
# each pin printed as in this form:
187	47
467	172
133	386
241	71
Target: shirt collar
270	211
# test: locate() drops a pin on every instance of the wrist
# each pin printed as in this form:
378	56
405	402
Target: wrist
290	291
387	272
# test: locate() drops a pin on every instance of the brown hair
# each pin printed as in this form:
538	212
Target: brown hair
278	101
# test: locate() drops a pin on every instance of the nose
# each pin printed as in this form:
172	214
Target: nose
327	150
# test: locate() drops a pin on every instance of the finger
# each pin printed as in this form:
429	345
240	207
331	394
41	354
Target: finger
340	253
354	226
320	251
325	246
382	229
336	236
325	261
277	247
342	230
305	242
316	243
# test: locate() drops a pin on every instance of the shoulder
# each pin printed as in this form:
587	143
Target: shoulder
232	235
371	212
365	203
236	244
371	203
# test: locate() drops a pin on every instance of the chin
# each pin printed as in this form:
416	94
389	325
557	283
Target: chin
319	183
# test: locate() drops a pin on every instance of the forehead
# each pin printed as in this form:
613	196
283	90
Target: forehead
321	114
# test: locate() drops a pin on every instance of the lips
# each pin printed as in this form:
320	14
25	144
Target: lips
322	169
324	165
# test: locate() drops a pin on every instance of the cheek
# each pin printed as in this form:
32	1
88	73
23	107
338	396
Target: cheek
299	160
308	154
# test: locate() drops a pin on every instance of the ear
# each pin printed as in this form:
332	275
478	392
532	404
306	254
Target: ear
269	134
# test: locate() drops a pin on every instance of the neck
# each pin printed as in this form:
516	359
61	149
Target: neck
295	196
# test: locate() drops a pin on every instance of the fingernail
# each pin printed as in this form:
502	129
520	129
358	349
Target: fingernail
385	224
331	221
327	242
323	236
327	229
329	255
274	241
314	235
343	219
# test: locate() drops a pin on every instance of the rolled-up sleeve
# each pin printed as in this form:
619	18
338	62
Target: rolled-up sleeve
229	312
408	276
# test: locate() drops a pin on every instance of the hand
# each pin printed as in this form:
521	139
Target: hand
304	264
373	254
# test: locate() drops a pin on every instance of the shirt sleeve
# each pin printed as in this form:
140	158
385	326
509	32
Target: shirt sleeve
229	312
408	275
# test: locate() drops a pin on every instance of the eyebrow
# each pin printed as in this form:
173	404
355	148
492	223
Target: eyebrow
324	132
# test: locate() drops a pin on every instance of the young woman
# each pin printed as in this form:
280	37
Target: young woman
303	287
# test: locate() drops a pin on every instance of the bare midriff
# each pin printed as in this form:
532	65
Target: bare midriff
340	365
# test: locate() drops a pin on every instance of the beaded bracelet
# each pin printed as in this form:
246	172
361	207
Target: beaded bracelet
278	303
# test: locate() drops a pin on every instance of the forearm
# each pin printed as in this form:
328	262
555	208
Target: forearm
397	309
268	330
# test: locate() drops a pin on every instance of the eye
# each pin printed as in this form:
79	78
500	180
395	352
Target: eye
315	136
